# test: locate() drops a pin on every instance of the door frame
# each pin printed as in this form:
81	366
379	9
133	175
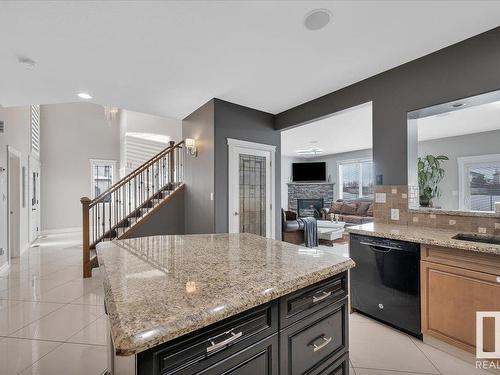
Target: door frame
34	161
12	151
235	146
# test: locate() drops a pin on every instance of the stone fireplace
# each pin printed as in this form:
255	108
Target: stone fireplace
309	207
309	190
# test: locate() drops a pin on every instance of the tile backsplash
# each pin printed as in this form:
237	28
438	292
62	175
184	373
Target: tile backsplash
389	198
391	204
460	223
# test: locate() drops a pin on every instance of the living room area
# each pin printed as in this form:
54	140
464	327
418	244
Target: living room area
327	178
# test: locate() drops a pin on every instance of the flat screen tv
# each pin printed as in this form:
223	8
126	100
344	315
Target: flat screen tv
315	171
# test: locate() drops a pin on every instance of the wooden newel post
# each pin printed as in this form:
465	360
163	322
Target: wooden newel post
87	269
171	162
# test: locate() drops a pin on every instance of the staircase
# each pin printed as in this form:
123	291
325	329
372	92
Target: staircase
114	213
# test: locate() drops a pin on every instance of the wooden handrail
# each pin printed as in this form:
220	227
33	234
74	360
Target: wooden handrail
87	269
136	172
132	197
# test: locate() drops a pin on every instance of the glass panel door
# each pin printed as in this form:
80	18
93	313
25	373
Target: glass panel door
252	194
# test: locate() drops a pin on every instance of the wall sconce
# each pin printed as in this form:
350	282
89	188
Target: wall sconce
191	147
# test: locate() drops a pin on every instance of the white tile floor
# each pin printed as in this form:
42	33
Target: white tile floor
51	319
52	322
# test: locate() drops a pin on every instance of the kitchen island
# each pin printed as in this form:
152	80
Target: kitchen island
220	303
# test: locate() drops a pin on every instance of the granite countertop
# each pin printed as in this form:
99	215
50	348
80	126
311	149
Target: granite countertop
425	235
159	288
440	211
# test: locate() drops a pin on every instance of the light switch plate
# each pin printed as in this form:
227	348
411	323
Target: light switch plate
452	222
481	230
380	198
394	191
497	225
394	214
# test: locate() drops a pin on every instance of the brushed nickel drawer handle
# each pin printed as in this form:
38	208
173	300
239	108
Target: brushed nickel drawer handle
322	297
223	343
320	346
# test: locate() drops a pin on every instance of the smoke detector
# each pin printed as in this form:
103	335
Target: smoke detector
317	19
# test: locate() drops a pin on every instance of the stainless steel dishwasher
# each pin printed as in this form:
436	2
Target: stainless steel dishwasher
385	284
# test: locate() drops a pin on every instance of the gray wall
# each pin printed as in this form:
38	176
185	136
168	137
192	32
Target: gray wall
331	169
331	164
461	70
286	177
199	171
454	147
247	124
72	134
168	219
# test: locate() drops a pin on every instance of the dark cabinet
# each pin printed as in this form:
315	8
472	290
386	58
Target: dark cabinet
319	338
304	332
259	359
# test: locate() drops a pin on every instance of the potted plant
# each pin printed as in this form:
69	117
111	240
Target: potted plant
430	174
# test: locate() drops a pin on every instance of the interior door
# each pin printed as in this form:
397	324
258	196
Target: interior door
34	195
14	202
250	207
3	209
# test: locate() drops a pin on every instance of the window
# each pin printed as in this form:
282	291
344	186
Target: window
356	179
479	187
102	176
35	129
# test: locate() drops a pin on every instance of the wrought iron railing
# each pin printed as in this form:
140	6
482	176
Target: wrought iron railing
110	214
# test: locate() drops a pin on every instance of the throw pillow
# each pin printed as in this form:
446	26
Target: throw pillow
349	208
336	207
362	208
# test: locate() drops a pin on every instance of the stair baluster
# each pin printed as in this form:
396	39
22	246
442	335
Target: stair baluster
110	215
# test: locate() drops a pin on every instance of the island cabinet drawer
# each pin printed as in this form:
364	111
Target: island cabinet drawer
260	358
195	352
335	367
296	306
313	344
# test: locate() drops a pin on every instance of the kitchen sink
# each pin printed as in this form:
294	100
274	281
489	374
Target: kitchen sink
485	238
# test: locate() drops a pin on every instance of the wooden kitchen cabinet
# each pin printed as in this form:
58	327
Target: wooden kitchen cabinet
455	284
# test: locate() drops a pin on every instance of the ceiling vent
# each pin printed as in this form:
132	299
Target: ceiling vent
2	127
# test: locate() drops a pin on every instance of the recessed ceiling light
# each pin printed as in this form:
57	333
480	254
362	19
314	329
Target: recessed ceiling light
317	19
457	105
84	95
312	151
27	63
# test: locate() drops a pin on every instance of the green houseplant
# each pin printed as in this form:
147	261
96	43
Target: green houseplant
430	173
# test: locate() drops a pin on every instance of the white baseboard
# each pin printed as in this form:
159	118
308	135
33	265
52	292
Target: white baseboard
60	231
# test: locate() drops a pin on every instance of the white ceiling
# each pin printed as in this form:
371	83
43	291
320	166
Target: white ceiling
167	58
351	130
345	131
477	119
